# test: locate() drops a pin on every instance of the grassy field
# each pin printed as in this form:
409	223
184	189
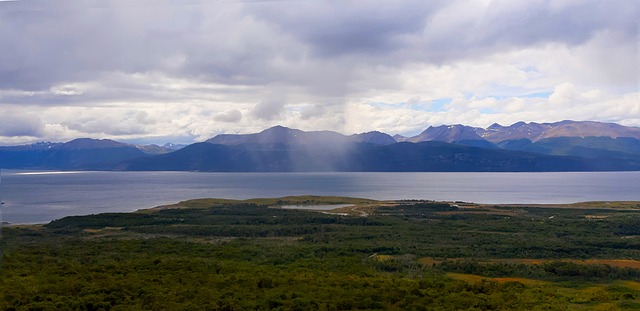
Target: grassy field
216	254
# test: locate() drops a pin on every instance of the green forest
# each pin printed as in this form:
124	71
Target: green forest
214	254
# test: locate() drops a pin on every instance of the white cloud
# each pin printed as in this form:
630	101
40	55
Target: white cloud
66	90
564	93
269	108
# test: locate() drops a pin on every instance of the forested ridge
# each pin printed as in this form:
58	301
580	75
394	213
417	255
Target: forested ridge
406	255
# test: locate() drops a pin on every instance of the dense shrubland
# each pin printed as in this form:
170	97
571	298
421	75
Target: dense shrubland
241	255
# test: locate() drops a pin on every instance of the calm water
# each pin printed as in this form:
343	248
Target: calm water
41	197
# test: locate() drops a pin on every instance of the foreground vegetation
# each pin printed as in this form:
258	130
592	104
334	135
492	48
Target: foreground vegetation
407	255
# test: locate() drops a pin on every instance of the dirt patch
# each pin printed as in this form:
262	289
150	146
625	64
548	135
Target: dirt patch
428	261
473	278
361	209
620	263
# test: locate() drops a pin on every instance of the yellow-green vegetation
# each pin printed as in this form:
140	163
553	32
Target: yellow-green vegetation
472	278
290	200
214	254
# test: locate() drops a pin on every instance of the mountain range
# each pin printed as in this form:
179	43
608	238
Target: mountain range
559	146
283	135
77	154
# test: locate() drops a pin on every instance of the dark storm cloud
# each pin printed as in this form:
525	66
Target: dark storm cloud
349	27
504	25
443	30
254	43
59	42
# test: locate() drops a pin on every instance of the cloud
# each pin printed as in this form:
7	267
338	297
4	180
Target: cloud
109	125
142	117
269	109
229	116
563	93
312	112
361	28
140	69
12	124
258	43
66	90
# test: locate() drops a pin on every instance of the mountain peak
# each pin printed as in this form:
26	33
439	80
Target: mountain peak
279	147
374	137
566	128
283	135
447	133
279	135
90	143
277	128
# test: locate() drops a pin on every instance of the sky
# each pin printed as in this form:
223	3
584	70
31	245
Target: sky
158	71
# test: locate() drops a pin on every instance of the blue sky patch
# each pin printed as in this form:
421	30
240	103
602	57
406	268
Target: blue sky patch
438	104
538	95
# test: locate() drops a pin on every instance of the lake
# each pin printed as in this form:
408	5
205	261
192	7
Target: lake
37	197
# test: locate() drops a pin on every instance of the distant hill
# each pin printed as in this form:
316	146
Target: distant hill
248	157
284	135
280	135
560	146
88	143
172	146
532	131
35	146
536	131
375	137
155	149
447	134
574	138
399	138
82	153
588	147
457	134
399	157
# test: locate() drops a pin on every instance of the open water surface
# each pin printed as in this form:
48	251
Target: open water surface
36	197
